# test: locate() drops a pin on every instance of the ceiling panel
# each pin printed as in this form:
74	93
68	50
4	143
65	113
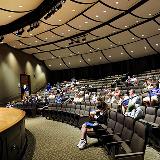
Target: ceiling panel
65	31
8	17
17	44
48	37
32	41
55	64
83	23
158	20
44	56
104	31
148	10
72	9
125	4
100	12
20	5
119	38
155	42
42	28
86	1
48	47
116	54
81	49
62	53
126	21
147	29
75	61
95	58
139	49
31	50
102	44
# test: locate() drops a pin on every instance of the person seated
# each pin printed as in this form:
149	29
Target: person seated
97	117
58	98
134	81
133	101
153	96
136	112
93	98
116	95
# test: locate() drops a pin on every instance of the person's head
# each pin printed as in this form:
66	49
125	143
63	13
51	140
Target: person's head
116	89
131	92
101	105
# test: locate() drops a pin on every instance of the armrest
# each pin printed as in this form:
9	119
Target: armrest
154	125
105	138
143	121
129	155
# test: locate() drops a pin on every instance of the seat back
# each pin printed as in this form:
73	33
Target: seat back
112	119
150	114
157	121
119	124
139	138
127	131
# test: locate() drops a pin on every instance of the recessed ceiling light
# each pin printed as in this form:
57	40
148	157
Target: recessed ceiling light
89	59
131	51
30	34
159	29
98	48
145	48
90	50
111	45
73	10
137	21
142	35
104	11
1	42
60	64
80	61
117	2
133	38
62	33
86	22
125	26
14	46
157	44
52	57
52	36
20	6
121	53
36	41
60	20
9	16
49	65
59	56
69	63
100	57
78	52
109	56
46	38
114	31
149	14
69	30
20	44
97	16
70	54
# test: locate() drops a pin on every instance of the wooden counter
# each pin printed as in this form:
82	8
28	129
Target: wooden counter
12	133
9	117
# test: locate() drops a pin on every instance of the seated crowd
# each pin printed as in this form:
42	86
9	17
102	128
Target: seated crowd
128	95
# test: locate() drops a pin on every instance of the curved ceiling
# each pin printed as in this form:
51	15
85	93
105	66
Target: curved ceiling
102	31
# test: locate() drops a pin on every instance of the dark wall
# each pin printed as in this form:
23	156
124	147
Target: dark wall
14	62
132	66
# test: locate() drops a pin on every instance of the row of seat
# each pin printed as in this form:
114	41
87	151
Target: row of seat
122	137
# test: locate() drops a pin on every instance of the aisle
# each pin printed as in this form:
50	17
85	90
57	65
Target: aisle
51	140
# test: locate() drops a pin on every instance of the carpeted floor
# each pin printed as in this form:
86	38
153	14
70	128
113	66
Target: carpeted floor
51	140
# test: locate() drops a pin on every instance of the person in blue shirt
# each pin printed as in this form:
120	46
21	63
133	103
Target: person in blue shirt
153	96
58	98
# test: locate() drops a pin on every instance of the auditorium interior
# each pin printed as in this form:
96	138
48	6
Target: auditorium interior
80	79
